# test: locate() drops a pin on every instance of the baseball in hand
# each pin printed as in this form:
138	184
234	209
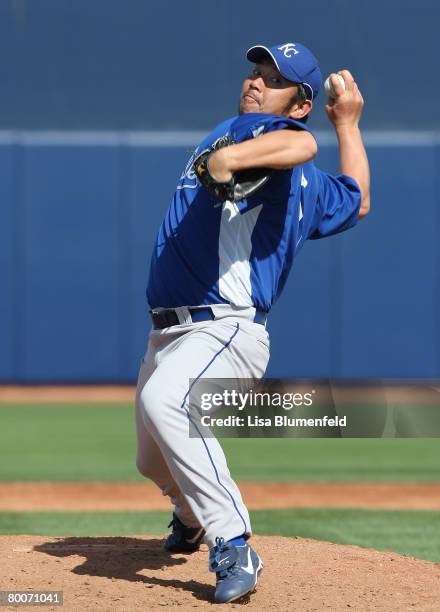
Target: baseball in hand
328	86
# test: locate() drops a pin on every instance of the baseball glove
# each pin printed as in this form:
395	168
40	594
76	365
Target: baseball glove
241	185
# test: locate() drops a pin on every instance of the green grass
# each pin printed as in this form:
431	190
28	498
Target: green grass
67	442
409	533
97	442
329	460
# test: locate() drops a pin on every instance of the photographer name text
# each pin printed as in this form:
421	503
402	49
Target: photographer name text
276	421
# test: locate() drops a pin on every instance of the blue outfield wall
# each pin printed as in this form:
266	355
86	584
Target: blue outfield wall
78	64
79	214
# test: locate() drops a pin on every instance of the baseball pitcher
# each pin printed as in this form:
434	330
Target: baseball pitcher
248	199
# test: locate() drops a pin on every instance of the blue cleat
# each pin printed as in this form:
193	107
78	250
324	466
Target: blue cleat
237	569
183	539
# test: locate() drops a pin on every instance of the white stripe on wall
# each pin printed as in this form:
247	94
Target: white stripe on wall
192	138
134	139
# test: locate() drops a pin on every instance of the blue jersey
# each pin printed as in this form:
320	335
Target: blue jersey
212	252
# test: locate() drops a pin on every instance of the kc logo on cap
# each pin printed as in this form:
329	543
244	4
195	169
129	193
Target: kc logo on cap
287	48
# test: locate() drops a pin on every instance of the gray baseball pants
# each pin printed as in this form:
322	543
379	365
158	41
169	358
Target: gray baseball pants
193	471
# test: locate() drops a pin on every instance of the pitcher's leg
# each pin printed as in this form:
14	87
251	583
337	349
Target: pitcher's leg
198	464
149	459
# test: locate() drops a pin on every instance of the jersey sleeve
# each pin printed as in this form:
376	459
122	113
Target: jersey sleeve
285	123
337	206
251	125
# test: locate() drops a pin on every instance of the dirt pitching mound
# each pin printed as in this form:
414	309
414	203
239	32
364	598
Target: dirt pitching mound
134	573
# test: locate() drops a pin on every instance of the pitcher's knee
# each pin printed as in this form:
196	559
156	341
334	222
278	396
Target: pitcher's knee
152	470
163	480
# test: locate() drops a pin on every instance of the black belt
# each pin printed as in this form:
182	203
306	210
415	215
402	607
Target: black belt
168	317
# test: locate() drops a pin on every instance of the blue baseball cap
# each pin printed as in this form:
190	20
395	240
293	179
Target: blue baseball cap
294	61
